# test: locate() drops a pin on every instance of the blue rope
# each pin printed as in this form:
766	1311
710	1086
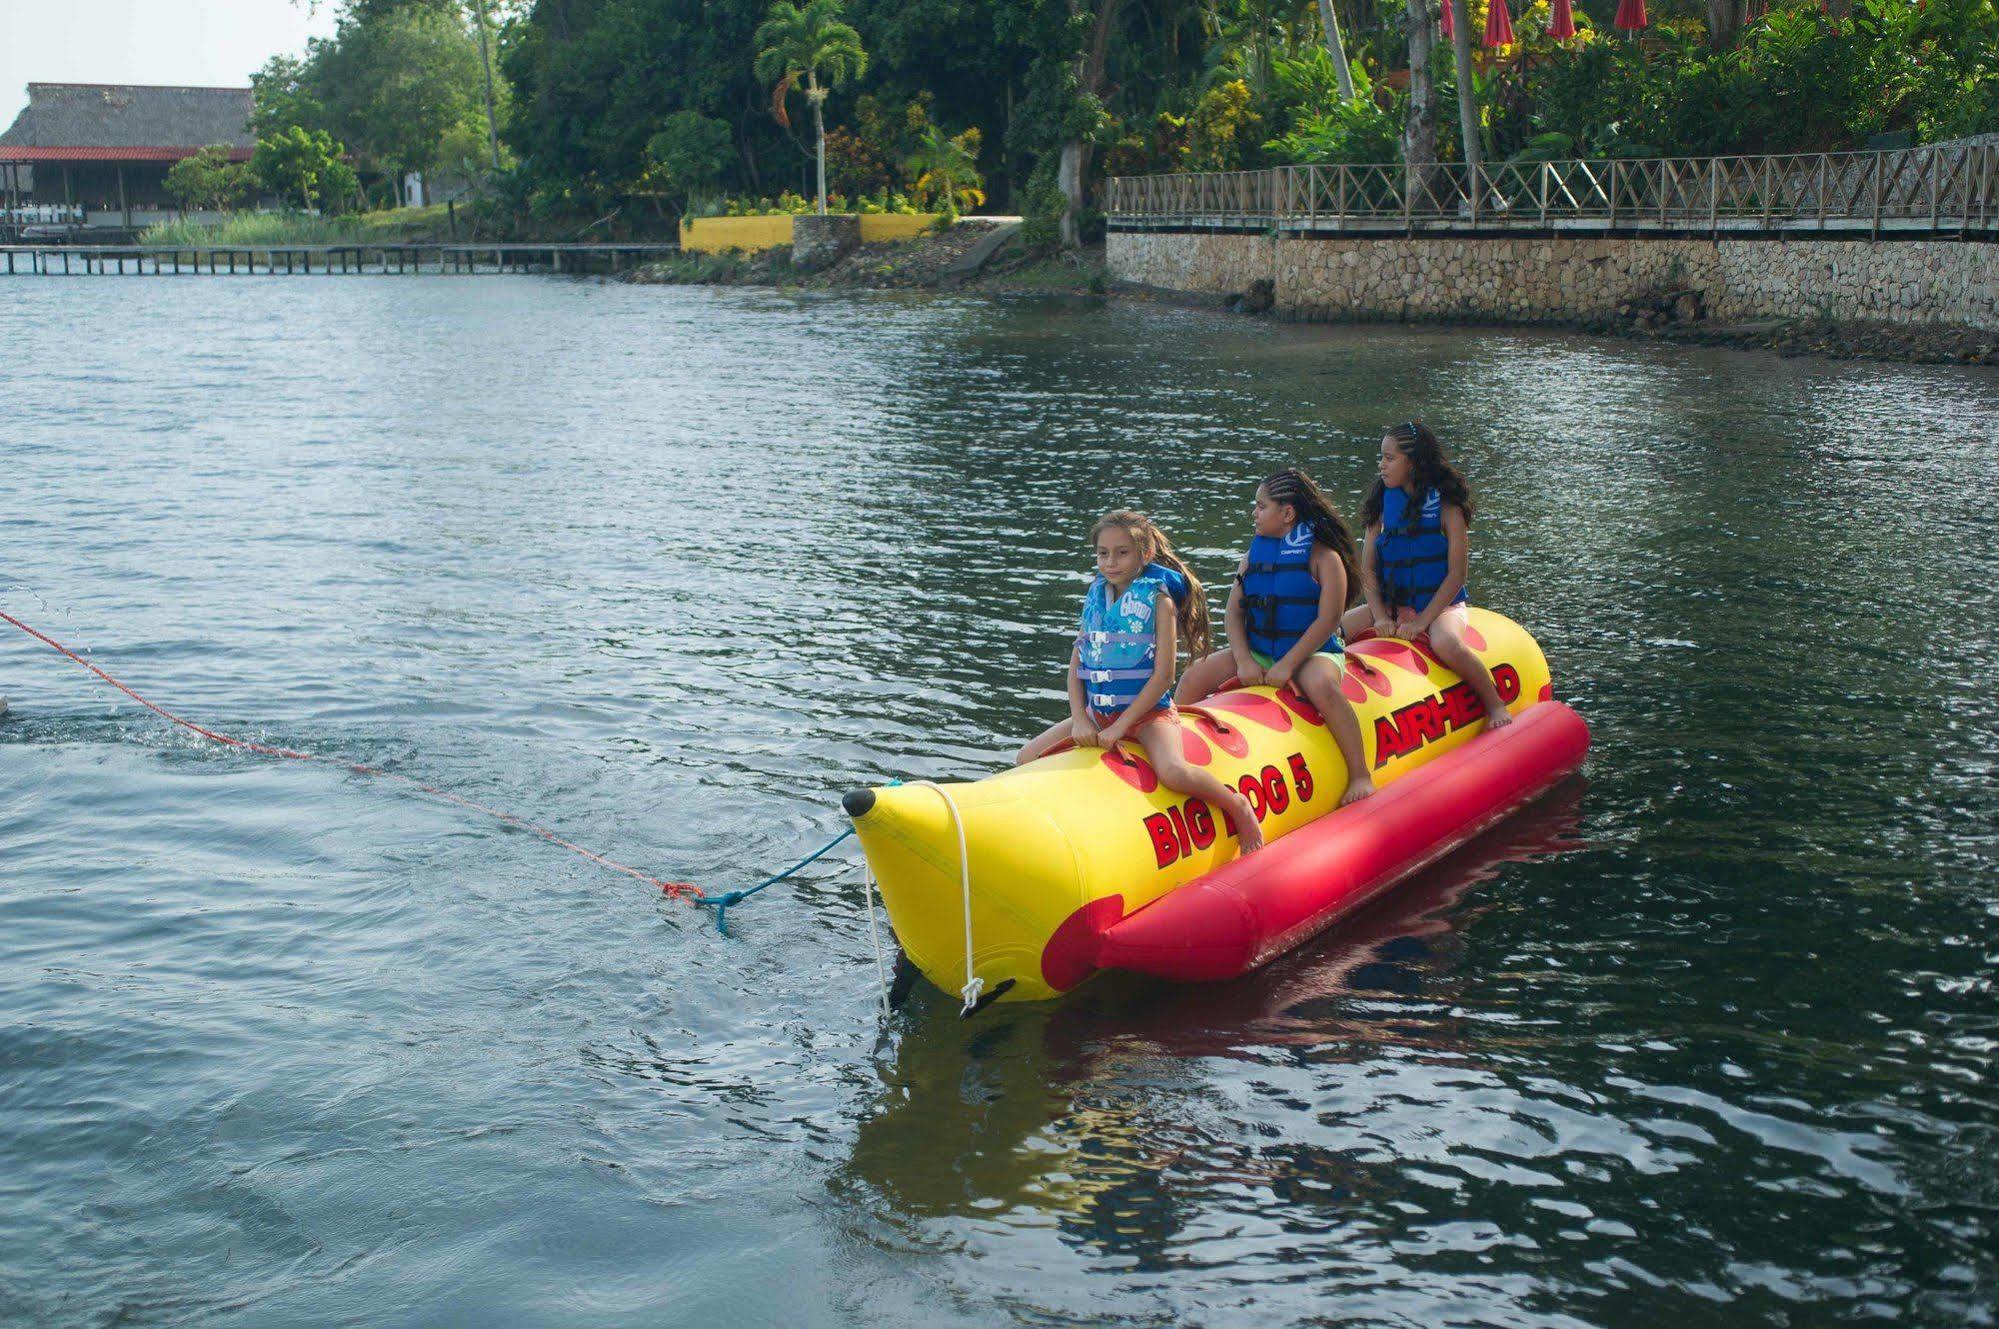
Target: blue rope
724	902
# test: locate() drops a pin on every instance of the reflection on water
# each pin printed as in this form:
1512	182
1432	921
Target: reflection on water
1023	1112
669	570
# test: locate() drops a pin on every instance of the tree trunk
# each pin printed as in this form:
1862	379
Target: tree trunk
819	132
486	62
1336	48
1419	126
1069	176
1467	98
1720	23
1073	171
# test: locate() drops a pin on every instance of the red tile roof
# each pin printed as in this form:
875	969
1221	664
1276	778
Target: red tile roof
9	153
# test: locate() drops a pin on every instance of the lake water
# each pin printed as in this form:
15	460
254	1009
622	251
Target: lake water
1707	1037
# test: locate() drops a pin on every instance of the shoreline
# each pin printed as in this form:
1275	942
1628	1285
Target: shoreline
928	264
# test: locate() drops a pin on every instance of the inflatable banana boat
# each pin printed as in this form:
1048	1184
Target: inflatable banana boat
1021	885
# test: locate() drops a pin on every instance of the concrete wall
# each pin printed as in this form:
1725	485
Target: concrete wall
712	235
1561	280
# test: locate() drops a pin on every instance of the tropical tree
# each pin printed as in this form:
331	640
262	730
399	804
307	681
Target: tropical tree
947	169
209	180
687	156
808	44
286	93
296	162
396	83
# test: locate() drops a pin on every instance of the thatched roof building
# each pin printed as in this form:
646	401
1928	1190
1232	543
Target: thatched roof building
107	146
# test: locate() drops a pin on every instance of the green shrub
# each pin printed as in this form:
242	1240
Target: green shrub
1328	129
1223	130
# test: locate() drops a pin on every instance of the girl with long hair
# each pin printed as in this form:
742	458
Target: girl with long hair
1284	612
1121	667
1416	558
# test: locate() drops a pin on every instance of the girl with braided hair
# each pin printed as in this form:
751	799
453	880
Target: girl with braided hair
1140	604
1284	613
1416	558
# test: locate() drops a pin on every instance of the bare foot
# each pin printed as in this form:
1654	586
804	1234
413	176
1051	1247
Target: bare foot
1359	787
1498	717
1249	832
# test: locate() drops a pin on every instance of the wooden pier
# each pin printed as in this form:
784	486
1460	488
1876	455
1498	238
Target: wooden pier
44	260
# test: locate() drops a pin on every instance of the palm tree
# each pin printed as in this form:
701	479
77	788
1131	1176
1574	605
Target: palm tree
1336	48
948	168
1467	92
808	44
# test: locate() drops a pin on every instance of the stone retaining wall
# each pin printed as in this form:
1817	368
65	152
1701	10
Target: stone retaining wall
1567	280
820	242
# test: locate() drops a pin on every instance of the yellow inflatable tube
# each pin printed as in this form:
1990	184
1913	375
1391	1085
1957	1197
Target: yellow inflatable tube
1088	834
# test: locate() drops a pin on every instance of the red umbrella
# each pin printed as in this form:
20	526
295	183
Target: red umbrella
1631	14
1498	25
1562	25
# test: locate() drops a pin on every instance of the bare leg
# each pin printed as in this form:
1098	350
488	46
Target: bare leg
1203	677
1447	640
1161	741
1355	621
1041	744
1320	678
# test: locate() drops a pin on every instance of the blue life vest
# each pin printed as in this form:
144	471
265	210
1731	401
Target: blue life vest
1412	555
1118	643
1280	596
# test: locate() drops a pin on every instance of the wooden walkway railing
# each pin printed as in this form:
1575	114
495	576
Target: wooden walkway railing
316	260
1943	188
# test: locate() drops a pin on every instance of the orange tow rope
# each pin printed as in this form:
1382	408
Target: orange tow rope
673	888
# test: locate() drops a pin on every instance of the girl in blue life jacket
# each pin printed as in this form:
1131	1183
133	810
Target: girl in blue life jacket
1415	559
1143	601
1284	613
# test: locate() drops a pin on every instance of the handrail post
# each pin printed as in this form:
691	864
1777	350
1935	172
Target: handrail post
1766	191
1936	188
1713	195
1611	222
1824	161
1986	180
1876	231
1546	167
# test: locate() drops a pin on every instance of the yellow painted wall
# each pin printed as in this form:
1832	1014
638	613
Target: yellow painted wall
712	235
888	226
